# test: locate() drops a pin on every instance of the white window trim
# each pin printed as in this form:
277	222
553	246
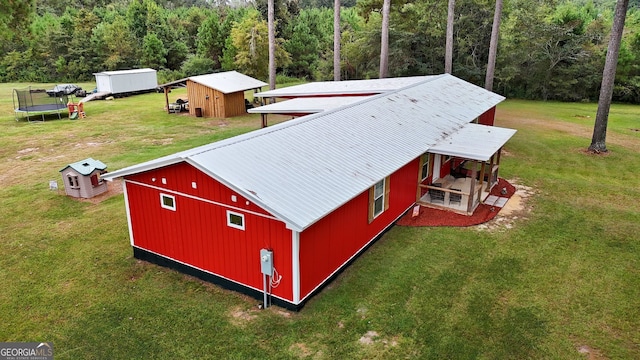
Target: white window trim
381	197
173	198
230	224
74	182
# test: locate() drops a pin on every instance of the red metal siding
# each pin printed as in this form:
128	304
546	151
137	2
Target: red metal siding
197	233
488	117
332	241
445	167
179	177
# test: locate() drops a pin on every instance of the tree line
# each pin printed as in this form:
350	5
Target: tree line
548	49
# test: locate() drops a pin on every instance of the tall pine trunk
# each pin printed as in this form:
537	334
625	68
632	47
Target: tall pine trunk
493	47
384	40
272	45
336	40
598	140
448	49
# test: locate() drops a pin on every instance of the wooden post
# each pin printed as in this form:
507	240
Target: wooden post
166	99
472	188
482	172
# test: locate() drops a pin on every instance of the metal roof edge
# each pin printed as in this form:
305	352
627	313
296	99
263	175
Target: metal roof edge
346	92
145	166
174	82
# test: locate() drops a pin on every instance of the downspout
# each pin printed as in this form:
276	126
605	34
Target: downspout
126	206
295	266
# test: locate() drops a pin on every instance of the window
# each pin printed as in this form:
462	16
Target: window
168	201
73	181
235	220
378	198
424	167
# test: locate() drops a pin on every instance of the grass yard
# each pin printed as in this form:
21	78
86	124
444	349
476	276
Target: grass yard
559	280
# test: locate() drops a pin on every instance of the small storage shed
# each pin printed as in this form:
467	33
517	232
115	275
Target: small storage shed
218	95
127	81
221	94
314	192
82	179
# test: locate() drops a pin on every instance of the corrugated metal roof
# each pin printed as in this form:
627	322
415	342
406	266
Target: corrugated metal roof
86	166
125	72
474	141
303	169
306	105
228	82
346	87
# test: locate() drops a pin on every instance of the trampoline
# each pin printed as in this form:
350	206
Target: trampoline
32	102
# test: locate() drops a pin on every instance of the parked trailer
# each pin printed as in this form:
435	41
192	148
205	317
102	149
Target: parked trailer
126	82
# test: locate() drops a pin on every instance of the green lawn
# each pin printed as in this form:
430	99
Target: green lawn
563	277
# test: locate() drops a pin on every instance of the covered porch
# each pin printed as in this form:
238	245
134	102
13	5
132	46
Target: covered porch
465	168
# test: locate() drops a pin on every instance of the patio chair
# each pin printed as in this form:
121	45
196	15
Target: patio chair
436	196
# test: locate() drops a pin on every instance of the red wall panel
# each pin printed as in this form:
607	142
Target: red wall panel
488	117
197	233
329	243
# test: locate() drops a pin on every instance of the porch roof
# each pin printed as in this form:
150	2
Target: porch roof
474	141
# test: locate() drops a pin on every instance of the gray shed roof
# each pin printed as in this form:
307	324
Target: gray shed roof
228	82
346	87
86	166
306	105
303	169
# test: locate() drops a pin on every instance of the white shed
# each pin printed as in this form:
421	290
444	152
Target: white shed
127	81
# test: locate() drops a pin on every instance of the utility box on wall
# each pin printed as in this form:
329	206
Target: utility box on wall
266	262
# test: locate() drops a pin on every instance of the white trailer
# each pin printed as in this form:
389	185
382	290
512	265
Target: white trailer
126	81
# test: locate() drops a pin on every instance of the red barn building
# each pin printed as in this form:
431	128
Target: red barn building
316	191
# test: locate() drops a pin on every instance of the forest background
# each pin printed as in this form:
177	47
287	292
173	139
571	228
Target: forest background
548	49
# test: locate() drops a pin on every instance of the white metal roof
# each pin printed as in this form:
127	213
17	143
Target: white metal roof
474	141
125	72
228	82
306	105
346	87
303	169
